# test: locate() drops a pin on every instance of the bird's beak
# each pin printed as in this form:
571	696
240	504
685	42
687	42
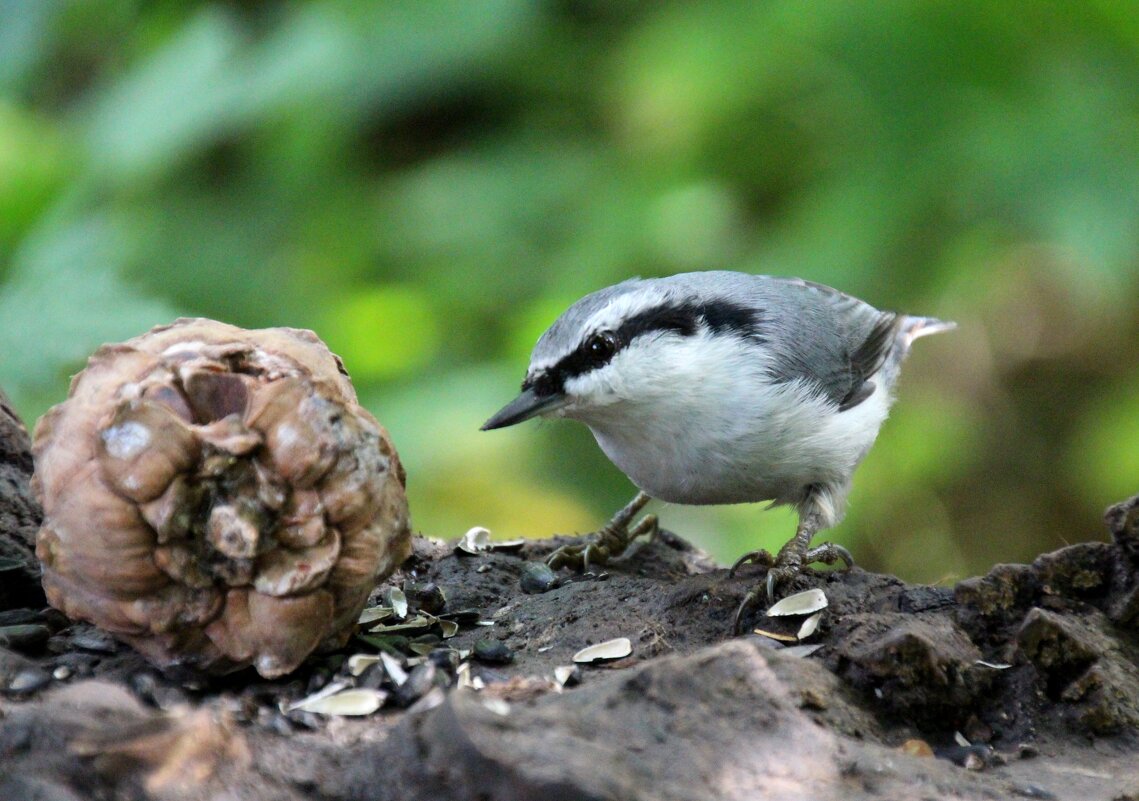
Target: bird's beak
525	406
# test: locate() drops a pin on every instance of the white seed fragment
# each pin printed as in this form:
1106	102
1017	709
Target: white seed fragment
497	706
567	675
475	541
507	545
801	603
430	700
358	663
610	649
961	739
398	602
355	702
809	626
393	668
332	688
993	665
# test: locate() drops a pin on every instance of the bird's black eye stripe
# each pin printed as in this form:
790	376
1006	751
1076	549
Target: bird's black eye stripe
722	317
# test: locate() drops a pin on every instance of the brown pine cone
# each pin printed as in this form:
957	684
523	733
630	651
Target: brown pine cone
216	497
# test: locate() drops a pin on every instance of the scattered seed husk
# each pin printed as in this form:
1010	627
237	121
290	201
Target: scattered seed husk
24	637
358	663
432	699
498	706
508	545
355	702
419	681
810	625
393	668
800	651
801	603
426	595
610	649
421	648
537	577
417	623
450	628
463	676
475	541
387	643
398	602
374	614
961	739
29	680
332	688
95	641
993	665
464	617
493	652
374	676
776	635
567	675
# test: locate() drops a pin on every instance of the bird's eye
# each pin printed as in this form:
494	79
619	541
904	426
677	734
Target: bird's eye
601	346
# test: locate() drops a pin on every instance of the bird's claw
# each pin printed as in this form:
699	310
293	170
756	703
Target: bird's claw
579	556
761	557
609	543
781	569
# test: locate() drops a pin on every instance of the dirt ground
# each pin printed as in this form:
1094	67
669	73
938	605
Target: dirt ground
1023	683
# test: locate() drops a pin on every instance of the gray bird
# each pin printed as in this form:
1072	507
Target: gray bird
723	387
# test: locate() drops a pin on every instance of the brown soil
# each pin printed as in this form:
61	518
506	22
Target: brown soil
1020	684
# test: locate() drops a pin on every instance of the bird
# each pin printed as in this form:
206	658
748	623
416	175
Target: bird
722	387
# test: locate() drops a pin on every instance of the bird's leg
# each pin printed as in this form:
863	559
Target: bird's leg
610	541
789	562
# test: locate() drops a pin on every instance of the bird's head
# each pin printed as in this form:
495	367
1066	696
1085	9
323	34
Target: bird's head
618	344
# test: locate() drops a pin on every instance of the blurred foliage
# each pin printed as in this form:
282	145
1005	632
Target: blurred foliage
428	184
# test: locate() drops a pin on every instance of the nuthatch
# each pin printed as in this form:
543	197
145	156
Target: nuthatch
723	387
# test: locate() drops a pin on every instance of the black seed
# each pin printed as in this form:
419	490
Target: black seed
492	652
537	577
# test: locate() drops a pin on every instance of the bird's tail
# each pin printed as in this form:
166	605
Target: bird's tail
917	327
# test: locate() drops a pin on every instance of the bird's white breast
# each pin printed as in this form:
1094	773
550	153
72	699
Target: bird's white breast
703	423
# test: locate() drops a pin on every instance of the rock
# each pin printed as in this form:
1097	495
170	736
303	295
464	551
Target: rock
20	515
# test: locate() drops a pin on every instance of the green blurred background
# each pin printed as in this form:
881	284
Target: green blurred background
428	184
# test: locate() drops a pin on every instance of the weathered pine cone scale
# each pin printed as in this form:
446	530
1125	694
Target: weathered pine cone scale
216	497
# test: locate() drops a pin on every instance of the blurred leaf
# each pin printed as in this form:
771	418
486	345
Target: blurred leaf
63	299
383	332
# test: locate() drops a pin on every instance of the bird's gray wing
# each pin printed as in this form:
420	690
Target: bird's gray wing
831	340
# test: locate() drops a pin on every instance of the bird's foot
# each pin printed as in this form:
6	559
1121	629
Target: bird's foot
781	569
608	543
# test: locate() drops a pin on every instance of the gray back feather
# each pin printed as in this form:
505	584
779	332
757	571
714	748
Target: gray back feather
816	335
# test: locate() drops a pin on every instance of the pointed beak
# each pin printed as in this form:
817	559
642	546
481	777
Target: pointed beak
525	406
